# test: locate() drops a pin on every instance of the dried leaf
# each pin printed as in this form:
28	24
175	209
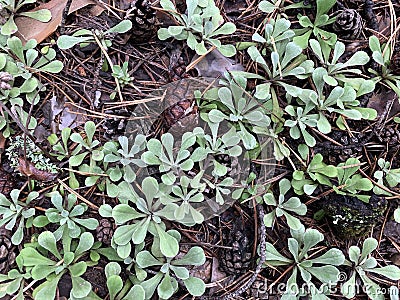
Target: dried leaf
28	169
2	142
383	23
217	277
215	64
57	106
71	117
41	134
392	229
379	100
29	28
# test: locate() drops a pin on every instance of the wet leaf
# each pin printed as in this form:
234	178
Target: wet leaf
28	169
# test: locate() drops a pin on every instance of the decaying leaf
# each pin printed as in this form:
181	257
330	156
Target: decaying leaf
217	277
71	117
215	64
29	170
29	28
379	100
2	144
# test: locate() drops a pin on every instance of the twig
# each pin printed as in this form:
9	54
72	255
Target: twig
104	51
379	185
93	206
197	60
25	130
64	16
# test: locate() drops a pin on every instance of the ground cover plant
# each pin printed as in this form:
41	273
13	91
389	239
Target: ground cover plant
199	149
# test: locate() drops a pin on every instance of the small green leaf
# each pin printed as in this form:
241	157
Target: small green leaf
48	241
150	188
144	259
227	50
3	60
78	269
266	6
374	44
180	272
349	287
151	284
40	221
331	257
18	235
270	218
47	290
105	211
31	257
392	272
42	15
377	56
121	27
40	272
175	30
80	287
123	213
114	285
9	27
311	238
369	245
195	256
163	34
136	292
397	215
227	28
76	160
168	245
323	6
86	242
200	48
167	5
67	41
293	222
195	286
166	289
325	274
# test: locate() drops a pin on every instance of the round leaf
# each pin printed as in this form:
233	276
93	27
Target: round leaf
195	286
48	241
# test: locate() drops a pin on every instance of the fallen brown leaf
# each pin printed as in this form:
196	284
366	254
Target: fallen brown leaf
71	117
29	28
379	100
28	169
215	64
218	277
2	144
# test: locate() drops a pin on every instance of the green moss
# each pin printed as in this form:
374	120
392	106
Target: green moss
351	217
33	154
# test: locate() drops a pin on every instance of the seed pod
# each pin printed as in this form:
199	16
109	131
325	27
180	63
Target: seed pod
349	24
7	251
104	231
5	77
236	260
143	18
390	135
